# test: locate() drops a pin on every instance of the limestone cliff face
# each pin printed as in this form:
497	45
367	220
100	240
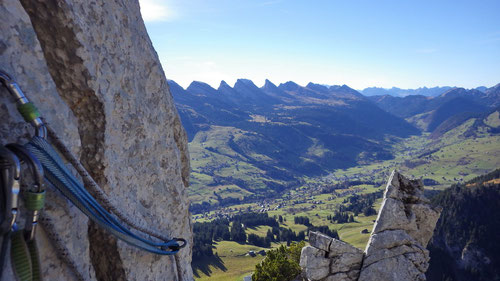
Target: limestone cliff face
396	250
91	69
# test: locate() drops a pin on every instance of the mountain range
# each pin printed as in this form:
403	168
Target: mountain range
398	92
451	107
259	141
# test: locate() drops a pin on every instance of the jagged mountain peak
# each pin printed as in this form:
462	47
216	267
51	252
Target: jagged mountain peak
289	86
176	90
317	87
174	86
341	87
253	94
223	84
452	91
269	85
461	92
345	91
482	88
197	83
226	89
172	82
197	88
271	89
244	82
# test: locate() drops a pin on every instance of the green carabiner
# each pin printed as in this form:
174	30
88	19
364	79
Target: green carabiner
26	108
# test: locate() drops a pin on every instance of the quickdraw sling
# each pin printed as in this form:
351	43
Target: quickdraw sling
24	252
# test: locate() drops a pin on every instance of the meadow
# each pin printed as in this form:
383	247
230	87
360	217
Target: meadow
441	162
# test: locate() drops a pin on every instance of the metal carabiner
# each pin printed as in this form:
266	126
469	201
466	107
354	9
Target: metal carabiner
34	198
11	174
20	99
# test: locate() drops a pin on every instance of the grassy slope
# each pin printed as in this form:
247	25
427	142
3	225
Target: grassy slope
224	162
234	264
452	158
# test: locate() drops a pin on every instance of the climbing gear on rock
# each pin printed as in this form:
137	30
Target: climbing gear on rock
57	174
61	178
24	106
10	173
24	251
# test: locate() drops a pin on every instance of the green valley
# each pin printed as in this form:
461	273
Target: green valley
317	157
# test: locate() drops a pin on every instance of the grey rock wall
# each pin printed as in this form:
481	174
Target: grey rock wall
405	224
91	69
22	57
396	250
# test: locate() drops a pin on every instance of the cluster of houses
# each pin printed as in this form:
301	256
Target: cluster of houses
302	195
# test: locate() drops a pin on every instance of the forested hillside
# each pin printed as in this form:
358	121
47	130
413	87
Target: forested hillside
465	242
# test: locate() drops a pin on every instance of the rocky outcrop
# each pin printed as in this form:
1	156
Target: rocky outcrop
330	259
405	224
92	71
397	246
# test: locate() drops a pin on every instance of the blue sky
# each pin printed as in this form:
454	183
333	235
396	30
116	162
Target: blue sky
401	43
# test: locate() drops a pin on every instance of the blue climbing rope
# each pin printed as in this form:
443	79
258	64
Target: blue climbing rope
61	178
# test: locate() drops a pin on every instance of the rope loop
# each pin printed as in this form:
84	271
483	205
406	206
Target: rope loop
174	246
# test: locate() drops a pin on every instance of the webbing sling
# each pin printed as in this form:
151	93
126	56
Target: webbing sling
20	257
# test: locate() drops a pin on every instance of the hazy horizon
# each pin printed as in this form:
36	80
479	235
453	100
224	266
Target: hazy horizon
216	85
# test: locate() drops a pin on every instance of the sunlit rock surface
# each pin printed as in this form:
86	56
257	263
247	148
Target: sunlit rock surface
93	73
396	249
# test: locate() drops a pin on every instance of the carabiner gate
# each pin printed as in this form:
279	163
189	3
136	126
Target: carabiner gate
35	198
23	102
11	174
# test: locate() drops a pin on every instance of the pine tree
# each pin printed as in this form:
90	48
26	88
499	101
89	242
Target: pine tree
280	264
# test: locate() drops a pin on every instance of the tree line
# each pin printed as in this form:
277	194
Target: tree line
234	229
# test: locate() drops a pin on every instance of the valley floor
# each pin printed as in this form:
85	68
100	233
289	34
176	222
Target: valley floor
440	163
232	261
